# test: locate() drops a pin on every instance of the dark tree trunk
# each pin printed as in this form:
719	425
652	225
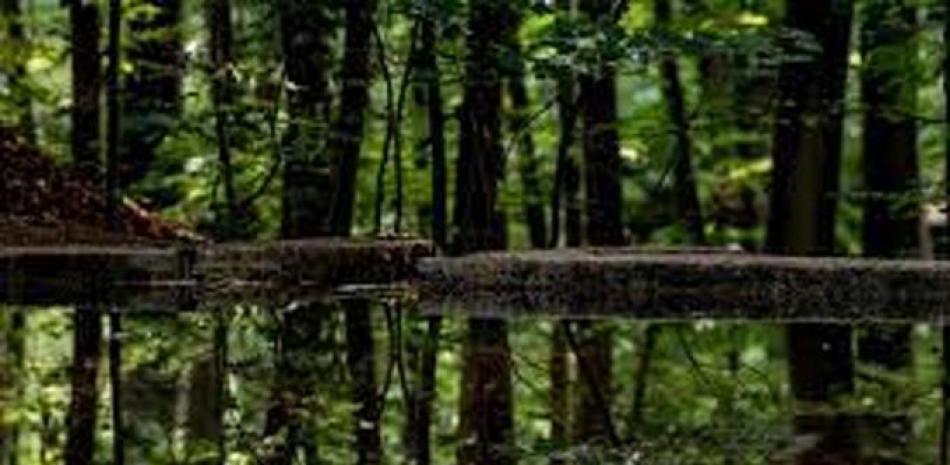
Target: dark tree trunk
361	359
686	194
806	160
152	91
307	200
527	162
348	137
487	424
604	205
86	86
425	355
891	174
87	322
305	33
222	98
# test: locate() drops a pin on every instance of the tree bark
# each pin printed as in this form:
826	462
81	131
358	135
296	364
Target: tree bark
87	322
487	423
305	31
806	160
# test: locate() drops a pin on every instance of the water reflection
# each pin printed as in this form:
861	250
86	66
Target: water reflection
344	380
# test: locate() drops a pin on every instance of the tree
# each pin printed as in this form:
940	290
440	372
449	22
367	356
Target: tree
487	424
603	206
12	12
527	162
891	173
806	160
306	206
87	322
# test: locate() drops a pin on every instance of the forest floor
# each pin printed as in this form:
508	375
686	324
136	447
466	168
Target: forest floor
42	203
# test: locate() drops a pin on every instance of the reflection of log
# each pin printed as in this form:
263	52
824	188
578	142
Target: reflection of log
171	279
679	286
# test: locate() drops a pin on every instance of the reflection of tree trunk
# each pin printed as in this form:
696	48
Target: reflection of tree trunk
806	154
291	416
207	398
81	417
891	215
361	359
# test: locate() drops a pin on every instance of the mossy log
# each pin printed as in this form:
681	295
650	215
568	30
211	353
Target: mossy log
685	286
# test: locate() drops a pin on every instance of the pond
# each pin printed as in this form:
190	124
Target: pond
569	357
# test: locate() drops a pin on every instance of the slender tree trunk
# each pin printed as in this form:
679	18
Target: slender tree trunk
361	359
353	103
604	204
686	194
222	98
892	212
806	160
527	162
419	427
87	322
487	423
152	94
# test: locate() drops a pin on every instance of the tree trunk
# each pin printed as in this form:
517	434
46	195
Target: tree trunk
86	87
152	102
891	173
806	160
487	423
222	98
527	162
305	34
686	194
604	205
307	205
87	322
425	355
348	137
